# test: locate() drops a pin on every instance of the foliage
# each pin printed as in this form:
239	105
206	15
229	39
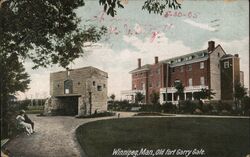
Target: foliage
100	114
112	96
47	32
204	94
154	97
246	105
158	6
155	6
179	87
169	107
224	106
13	78
239	91
139	97
110	5
207	108
188	106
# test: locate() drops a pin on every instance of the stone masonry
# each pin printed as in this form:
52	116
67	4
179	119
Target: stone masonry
79	92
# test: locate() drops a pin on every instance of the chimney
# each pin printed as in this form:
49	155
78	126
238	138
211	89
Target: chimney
139	62
211	46
156	59
236	55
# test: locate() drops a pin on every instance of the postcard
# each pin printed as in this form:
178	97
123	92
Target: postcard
124	78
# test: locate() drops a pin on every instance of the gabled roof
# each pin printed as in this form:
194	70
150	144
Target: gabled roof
142	68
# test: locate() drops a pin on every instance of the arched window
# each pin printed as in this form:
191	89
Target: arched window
68	86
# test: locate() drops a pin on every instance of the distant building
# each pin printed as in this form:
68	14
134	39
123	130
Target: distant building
211	68
77	91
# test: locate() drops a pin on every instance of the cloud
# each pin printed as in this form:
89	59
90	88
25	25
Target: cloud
117	63
200	25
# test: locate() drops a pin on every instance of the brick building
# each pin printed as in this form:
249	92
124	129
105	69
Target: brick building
211	68
77	91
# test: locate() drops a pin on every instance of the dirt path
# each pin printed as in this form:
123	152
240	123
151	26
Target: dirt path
54	137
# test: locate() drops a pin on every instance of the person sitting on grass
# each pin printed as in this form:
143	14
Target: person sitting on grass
21	123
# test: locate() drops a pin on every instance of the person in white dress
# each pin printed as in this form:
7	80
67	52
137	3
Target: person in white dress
20	122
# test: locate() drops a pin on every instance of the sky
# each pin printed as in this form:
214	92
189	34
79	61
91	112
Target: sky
134	33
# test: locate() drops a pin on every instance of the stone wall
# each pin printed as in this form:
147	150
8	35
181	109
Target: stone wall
89	86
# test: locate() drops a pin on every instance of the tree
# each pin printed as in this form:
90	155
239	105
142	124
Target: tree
180	89
13	79
139	97
112	96
158	7
239	93
154	6
154	97
52	30
204	94
47	32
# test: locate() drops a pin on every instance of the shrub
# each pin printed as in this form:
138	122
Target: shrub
169	107
246	106
100	114
207	108
188	106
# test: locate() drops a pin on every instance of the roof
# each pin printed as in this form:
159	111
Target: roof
188	58
142	68
82	68
227	56
180	60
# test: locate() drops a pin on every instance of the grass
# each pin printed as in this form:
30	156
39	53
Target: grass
218	137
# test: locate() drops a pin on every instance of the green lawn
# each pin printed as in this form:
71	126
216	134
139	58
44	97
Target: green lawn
218	137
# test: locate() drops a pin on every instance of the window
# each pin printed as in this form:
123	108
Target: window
218	54
78	83
164	96
66	91
202	80
190	82
99	88
189	67
68	73
226	64
93	83
134	86
68	86
181	69
158	84
158	71
173	69
201	65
